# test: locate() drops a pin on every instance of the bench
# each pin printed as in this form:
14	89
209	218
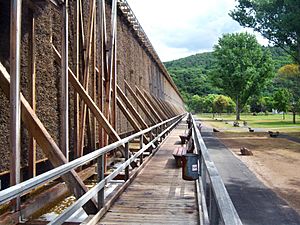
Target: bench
250	129
180	151
273	134
236	124
185	137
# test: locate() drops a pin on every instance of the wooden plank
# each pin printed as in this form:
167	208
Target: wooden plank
131	108
148	104
94	220
140	104
158	195
32	91
46	142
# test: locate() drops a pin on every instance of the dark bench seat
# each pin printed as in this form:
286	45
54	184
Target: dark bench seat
178	153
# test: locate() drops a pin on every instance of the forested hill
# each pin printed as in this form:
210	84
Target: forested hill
191	74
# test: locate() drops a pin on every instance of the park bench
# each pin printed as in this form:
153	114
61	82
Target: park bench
250	129
215	130
180	151
273	134
185	137
236	124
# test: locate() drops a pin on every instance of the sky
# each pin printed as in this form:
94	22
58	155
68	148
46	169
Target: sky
179	28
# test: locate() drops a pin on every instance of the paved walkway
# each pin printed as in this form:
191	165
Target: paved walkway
158	195
256	204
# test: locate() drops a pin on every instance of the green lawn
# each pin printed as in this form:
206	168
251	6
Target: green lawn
270	121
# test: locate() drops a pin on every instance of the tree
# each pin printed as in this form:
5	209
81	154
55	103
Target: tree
276	20
282	99
242	69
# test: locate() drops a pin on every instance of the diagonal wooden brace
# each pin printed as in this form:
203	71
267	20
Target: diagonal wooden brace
138	101
148	104
45	141
131	108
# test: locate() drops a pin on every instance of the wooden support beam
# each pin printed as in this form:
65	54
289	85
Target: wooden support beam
86	73
155	105
46	142
131	108
165	106
40	202
90	103
130	119
140	104
76	96
161	105
32	92
102	63
128	115
64	114
149	105
15	95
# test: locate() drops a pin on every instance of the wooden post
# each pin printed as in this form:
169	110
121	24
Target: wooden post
141	146
100	173
102	63
32	72
87	57
65	83
15	102
126	158
76	96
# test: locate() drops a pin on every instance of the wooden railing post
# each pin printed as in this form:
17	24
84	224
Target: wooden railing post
141	146
100	172
126	158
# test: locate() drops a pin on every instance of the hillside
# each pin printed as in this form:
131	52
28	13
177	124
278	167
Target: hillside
191	74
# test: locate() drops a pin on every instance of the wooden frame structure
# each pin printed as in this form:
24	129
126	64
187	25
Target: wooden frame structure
89	88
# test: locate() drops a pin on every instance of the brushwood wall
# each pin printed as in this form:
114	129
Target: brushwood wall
135	64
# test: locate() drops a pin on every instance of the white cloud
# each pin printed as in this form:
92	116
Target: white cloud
181	28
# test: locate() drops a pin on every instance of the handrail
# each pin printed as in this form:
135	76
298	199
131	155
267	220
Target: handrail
24	187
93	191
217	200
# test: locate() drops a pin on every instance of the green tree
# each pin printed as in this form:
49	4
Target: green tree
276	20
282	99
242	69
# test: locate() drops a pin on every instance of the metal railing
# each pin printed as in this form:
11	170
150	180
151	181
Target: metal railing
160	131
215	205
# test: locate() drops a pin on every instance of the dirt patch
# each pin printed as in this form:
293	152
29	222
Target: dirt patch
275	162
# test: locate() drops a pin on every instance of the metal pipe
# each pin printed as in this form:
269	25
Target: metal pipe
15	103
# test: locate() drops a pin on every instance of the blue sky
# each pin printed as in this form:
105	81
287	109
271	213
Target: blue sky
181	28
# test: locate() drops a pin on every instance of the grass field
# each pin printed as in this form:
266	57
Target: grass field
271	121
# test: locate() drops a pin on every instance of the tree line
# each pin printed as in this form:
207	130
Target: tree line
240	72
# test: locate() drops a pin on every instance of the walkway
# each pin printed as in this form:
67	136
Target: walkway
158	195
255	203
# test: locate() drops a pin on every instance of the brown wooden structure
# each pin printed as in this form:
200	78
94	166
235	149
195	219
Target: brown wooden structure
74	76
